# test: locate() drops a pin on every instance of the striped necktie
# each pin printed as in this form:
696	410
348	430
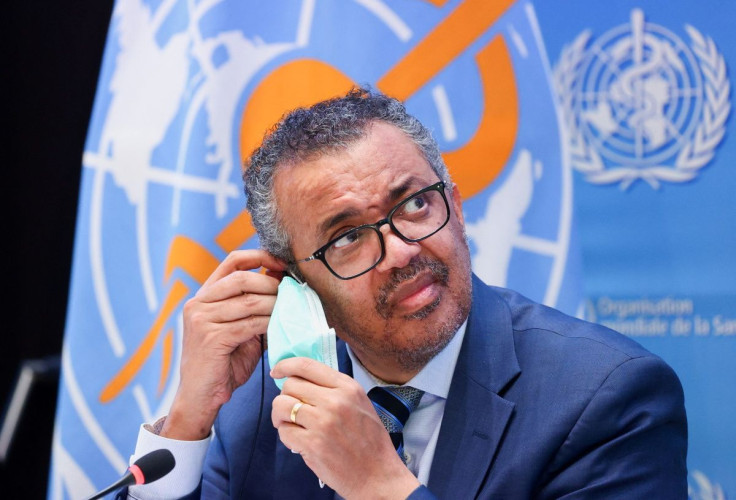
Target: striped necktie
394	405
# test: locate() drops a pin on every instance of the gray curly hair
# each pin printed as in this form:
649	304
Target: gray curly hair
308	133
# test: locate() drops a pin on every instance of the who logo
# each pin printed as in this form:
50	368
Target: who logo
641	104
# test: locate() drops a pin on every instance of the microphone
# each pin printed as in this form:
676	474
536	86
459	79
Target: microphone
147	469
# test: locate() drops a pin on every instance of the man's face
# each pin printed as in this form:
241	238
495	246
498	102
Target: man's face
397	316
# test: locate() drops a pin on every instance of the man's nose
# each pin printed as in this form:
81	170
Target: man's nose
398	252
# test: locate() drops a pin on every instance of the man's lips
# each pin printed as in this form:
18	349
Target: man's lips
415	292
412	288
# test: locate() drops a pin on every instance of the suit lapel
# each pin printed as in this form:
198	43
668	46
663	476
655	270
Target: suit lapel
476	416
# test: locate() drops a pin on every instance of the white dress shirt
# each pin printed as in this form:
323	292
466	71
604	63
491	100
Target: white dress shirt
420	432
423	427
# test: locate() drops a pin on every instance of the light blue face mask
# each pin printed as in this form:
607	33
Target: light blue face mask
298	327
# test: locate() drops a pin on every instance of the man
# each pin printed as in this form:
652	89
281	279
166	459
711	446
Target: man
518	401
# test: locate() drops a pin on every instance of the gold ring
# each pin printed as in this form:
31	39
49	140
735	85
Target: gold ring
294	410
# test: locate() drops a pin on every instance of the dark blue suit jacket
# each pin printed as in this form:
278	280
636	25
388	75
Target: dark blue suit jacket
541	405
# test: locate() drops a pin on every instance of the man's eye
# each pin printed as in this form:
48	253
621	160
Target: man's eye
346	240
414	205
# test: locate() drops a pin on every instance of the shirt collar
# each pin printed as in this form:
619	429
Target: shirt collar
434	378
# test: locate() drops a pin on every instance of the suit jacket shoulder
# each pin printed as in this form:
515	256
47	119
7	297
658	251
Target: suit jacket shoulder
557	406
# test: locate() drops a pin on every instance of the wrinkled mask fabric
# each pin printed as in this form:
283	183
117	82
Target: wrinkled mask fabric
298	327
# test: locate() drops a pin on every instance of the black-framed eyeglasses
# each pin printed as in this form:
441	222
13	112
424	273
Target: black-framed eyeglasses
360	249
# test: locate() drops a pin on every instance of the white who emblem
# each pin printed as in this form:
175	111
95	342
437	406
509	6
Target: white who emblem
641	104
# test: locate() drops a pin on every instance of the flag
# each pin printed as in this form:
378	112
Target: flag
187	90
646	93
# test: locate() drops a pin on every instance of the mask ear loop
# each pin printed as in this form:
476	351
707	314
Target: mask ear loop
293	276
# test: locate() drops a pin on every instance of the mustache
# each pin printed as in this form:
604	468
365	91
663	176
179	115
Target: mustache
439	270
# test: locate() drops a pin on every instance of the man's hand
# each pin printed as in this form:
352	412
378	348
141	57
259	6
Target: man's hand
222	326
337	432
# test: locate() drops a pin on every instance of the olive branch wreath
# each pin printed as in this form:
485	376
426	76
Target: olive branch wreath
694	154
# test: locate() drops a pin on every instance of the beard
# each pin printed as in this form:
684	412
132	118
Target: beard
395	342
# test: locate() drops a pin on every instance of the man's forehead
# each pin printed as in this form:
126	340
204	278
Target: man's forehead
382	147
329	201
394	191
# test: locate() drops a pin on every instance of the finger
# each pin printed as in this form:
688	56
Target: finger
245	329
238	283
306	391
227	337
236	308
284	406
310	370
244	260
293	436
203	317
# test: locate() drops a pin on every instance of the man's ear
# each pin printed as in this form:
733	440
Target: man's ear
457	203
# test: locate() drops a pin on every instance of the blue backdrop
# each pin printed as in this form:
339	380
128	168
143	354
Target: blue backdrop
651	98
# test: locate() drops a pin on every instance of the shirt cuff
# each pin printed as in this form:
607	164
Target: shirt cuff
189	458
